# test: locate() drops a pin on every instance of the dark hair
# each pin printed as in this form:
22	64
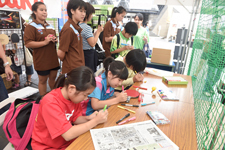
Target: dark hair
118	68
90	10
34	8
118	10
131	28
82	77
75	4
137	59
140	16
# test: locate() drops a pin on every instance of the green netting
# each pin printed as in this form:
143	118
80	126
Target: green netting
207	70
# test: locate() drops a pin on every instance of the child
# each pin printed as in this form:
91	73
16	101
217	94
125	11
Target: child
112	27
135	61
41	37
89	40
71	46
125	44
142	37
115	73
59	120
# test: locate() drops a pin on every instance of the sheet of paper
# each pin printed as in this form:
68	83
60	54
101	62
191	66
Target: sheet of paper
158	72
132	136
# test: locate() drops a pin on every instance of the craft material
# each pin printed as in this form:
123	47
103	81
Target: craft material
144	104
128	120
105	108
158	117
130	105
127	115
126	109
140	87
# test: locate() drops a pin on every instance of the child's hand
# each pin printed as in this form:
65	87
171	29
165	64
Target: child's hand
145	39
122	97
93	115
100	28
102	116
129	47
138	77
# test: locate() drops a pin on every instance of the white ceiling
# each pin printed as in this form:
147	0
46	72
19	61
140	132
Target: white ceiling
173	2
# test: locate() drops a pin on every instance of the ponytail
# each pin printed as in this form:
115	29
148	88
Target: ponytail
82	77
117	68
118	10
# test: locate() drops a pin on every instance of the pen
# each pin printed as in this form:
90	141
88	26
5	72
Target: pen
143	104
122	88
126	109
127	115
140	87
130	105
127	120
105	108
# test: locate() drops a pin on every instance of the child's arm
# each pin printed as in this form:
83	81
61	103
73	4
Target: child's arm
99	104
61	54
83	119
122	49
77	130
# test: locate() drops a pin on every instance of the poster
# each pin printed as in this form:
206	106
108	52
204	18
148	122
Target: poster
10	19
137	136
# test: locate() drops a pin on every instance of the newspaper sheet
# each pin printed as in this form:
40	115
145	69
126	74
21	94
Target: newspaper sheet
137	136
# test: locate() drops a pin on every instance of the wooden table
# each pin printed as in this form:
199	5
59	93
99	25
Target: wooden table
181	130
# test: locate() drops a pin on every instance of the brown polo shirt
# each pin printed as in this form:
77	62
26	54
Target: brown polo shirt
71	43
110	29
45	57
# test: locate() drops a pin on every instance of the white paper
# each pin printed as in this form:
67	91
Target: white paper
158	72
132	136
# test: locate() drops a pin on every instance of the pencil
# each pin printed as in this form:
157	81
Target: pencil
126	109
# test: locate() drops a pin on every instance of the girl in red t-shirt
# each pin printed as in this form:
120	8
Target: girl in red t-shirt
59	120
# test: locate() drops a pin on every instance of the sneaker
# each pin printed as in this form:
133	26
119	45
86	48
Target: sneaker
16	86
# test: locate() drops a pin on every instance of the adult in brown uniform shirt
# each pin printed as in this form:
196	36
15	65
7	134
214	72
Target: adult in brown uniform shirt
41	37
71	46
111	28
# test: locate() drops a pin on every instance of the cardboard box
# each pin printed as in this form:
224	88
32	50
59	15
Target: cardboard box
161	56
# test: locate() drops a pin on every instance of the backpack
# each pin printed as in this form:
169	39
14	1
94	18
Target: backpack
19	122
118	43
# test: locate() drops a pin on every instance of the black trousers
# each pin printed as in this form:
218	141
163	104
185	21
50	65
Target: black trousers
91	59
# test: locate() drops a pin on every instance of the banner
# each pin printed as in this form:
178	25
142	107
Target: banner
53	7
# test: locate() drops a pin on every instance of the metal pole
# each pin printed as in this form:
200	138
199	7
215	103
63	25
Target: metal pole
180	48
196	11
186	38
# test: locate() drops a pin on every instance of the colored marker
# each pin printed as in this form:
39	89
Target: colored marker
130	105
126	109
127	115
144	104
140	87
105	108
122	88
127	120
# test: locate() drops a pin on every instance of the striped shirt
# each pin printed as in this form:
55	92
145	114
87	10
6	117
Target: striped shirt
86	33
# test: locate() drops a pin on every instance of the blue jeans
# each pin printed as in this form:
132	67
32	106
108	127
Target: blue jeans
213	75
3	96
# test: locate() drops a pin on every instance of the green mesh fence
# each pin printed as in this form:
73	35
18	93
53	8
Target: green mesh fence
207	70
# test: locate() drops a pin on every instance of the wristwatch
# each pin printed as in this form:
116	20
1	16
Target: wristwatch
5	64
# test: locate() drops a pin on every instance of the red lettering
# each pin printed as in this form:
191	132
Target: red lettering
15	4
